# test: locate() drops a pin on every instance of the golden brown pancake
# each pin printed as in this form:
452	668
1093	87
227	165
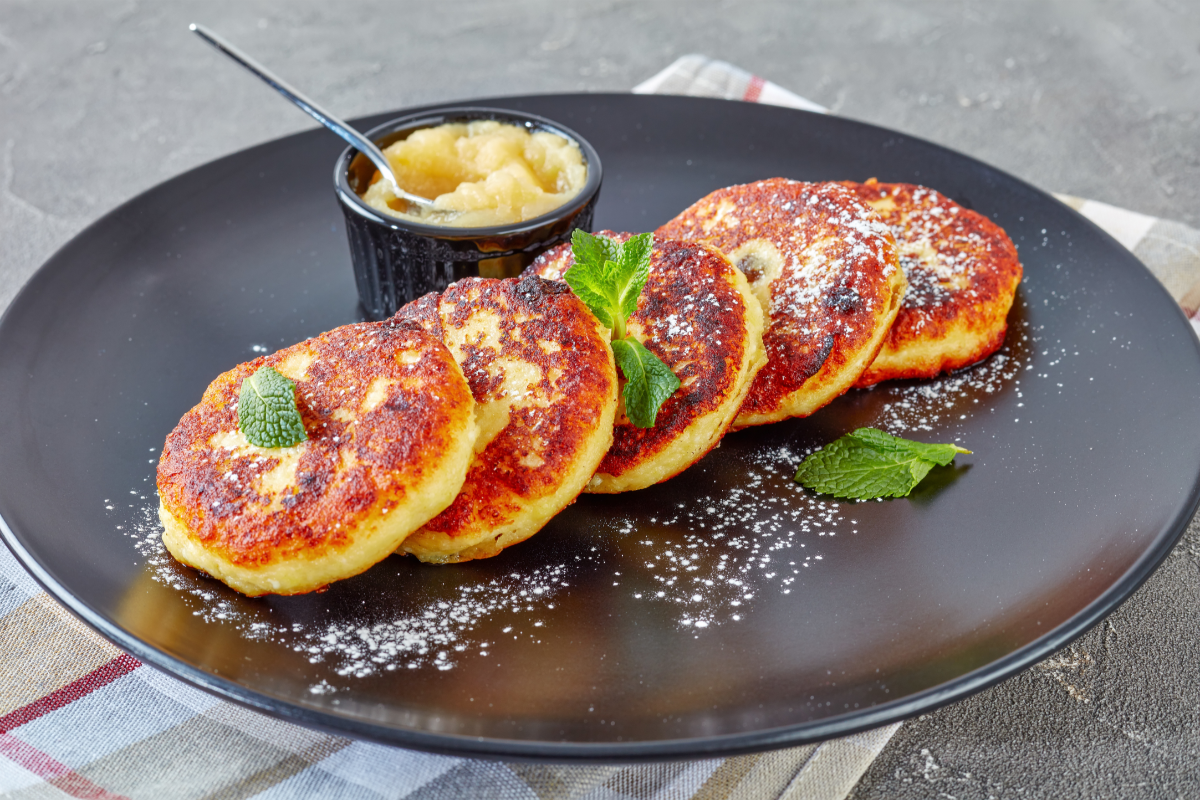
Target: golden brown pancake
391	430
697	314
962	272
825	269
545	387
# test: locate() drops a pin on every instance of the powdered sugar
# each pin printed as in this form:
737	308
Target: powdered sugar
731	551
763	534
709	559
436	635
926	405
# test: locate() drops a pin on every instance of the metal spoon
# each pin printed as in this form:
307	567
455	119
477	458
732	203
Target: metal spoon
364	145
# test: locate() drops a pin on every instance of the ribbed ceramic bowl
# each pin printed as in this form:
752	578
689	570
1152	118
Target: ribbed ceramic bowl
396	260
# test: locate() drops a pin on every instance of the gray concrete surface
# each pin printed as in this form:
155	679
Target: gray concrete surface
1114	715
101	99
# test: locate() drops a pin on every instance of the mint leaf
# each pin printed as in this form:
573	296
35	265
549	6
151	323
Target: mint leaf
940	454
634	270
592	251
608	276
868	463
592	287
648	381
267	412
588	277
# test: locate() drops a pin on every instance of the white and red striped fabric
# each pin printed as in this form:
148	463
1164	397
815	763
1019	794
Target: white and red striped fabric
700	76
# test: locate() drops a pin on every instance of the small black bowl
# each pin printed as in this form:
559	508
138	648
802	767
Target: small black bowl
396	260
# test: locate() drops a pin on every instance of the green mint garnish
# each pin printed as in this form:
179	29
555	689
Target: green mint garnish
868	463
267	412
648	381
608	277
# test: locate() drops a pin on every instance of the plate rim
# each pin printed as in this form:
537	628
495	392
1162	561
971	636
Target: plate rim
722	745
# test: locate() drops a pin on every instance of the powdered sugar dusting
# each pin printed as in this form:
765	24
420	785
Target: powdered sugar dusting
763	534
731	551
708	559
928	405
437	635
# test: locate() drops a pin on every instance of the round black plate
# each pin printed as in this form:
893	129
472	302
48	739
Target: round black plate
783	617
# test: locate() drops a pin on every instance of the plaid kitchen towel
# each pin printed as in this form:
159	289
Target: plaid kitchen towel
79	718
699	76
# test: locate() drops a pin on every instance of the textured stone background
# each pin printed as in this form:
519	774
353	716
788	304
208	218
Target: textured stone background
100	100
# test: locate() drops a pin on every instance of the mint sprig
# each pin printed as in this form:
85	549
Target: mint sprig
267	412
648	381
867	464
608	276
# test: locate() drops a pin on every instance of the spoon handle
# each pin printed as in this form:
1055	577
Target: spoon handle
338	126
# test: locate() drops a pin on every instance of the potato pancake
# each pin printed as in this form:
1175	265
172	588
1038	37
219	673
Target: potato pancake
391	430
697	314
545	387
962	272
826	271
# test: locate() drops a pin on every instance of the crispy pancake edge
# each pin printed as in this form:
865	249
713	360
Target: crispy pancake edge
344	509
837	375
643	457
970	324
491	514
852	316
705	432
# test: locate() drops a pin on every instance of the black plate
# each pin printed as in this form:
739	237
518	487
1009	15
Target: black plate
1084	474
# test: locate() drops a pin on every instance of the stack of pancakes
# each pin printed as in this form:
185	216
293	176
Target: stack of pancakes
861	283
465	423
451	431
545	387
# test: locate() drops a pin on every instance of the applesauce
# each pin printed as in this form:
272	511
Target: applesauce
480	174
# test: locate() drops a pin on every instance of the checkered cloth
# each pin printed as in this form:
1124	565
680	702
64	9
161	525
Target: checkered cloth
79	718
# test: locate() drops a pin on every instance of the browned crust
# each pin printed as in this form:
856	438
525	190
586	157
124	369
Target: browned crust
962	272
528	459
346	471
691	315
837	286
